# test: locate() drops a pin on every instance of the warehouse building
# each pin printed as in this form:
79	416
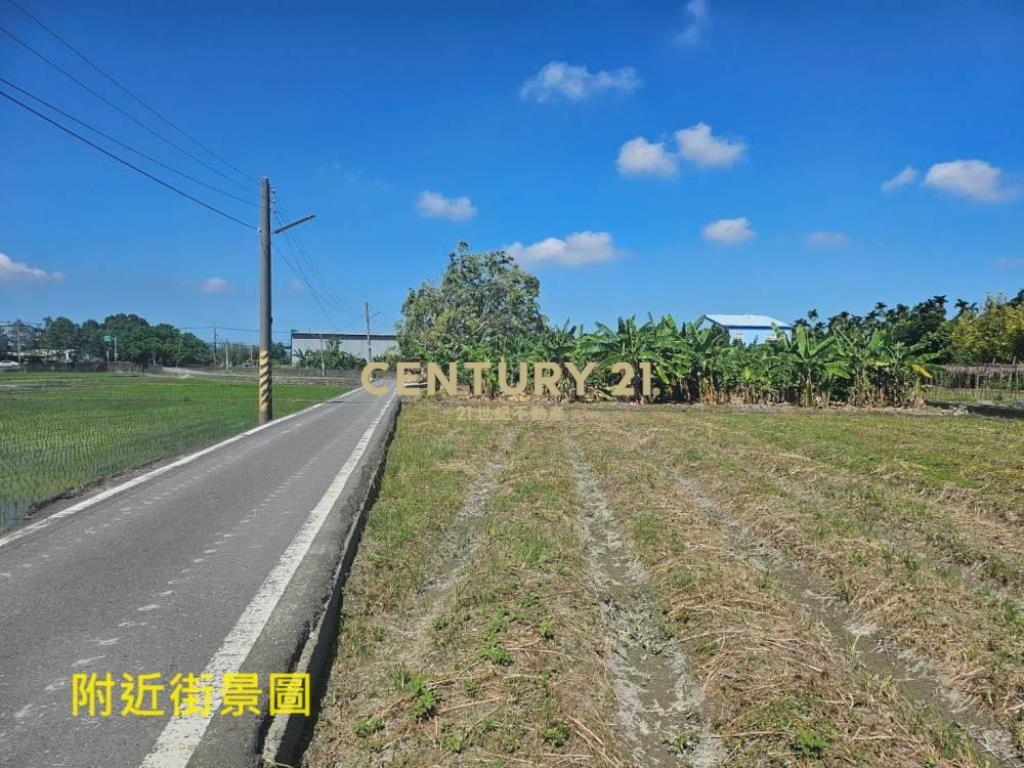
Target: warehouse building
750	329
353	343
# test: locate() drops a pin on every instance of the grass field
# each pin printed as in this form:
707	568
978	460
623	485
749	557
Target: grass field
61	432
686	586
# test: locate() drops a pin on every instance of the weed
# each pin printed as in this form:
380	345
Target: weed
546	629
810	744
364	729
556	734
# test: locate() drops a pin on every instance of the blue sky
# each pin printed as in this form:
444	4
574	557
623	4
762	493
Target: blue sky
667	157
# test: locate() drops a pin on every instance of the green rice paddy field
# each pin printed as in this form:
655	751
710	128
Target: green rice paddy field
62	432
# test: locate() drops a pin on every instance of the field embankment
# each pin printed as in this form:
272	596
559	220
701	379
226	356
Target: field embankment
666	586
62	432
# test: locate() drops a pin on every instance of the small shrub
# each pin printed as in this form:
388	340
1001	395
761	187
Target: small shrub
556	735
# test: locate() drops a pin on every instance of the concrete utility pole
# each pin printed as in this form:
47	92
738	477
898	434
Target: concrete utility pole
215	346
18	334
266	401
369	350
227	354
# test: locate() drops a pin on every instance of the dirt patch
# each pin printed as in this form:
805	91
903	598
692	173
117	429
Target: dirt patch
659	703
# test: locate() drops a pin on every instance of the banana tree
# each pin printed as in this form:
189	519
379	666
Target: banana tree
701	348
813	361
862	354
904	371
629	343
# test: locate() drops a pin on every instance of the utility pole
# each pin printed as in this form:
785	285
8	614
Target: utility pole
369	350
227	354
215	346
266	395
18	326
266	405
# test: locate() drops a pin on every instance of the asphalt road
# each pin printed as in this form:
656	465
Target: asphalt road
214	565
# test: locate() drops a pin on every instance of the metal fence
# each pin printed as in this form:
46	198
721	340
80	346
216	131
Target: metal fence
995	383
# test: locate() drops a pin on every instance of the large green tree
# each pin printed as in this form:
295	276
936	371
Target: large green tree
485	307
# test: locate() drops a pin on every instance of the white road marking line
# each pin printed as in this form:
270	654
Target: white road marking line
181	736
90	660
150	607
104	495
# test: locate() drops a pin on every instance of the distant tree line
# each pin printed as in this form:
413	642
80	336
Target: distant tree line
137	341
486	308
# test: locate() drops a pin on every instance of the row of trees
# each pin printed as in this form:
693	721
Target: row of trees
486	308
137	341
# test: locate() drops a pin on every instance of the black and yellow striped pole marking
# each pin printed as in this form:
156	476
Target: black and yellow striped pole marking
266	394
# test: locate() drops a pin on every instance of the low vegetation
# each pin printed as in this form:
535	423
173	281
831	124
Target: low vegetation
611	585
61	432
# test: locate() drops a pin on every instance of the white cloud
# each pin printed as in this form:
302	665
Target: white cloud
825	237
297	286
559	79
434	205
907	176
696	145
973	179
214	285
11	270
700	147
575	250
640	157
1006	263
729	231
698	17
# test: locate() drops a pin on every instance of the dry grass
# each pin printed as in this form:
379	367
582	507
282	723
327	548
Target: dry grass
824	589
469	637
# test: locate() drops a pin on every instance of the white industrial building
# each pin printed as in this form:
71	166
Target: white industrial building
751	329
353	343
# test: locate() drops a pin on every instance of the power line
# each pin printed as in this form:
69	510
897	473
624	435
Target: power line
124	162
111	78
330	321
301	274
130	148
336	300
118	109
324	294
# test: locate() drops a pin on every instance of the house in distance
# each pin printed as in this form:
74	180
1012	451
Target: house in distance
751	329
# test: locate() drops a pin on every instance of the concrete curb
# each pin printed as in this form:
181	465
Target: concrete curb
287	735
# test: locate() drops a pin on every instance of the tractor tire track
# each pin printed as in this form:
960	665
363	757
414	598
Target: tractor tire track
660	706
